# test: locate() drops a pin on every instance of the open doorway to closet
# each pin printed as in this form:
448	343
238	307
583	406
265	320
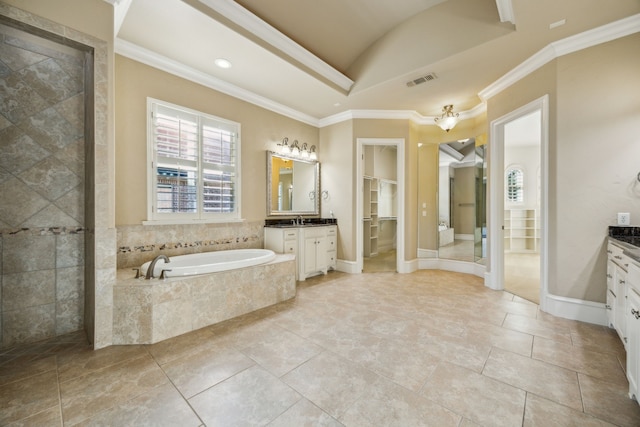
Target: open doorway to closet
380	201
379	208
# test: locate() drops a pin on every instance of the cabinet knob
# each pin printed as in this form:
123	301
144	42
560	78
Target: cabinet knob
622	282
608	307
635	313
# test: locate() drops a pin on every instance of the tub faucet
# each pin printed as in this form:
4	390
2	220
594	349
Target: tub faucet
153	264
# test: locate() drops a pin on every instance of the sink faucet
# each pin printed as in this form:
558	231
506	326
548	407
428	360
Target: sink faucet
153	264
300	220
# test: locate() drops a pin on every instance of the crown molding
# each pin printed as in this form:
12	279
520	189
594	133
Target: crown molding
153	59
586	39
505	10
256	26
414	116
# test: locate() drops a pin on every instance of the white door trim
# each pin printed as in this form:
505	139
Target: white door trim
495	278
400	179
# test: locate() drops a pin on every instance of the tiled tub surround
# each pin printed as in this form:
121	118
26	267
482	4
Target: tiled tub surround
149	311
138	244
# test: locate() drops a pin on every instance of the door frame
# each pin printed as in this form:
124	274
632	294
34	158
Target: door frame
400	208
495	278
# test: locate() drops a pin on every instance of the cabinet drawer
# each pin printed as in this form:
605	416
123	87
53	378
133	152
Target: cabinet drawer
331	259
331	243
332	231
290	246
290	234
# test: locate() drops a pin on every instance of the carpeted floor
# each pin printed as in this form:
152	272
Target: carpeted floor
522	275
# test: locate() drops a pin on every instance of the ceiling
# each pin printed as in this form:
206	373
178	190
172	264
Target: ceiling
313	59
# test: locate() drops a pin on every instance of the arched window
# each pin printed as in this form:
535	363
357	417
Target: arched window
514	185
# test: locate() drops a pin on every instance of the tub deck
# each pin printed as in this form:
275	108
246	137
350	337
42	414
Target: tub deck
149	311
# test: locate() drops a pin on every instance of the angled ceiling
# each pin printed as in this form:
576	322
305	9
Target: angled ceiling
314	59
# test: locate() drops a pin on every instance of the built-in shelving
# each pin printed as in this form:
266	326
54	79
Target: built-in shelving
521	230
370	216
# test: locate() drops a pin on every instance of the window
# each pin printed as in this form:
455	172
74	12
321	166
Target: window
514	187
195	165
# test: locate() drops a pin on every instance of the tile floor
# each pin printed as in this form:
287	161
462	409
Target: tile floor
430	348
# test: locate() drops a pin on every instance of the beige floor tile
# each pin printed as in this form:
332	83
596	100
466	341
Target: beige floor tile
253	397
86	361
85	396
24	366
162	406
461	351
476	397
597	338
282	352
305	413
506	339
549	381
199	371
532	326
540	412
389	404
604	366
331	382
183	345
609	401
28	396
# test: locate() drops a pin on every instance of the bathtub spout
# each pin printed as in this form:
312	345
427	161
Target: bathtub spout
153	264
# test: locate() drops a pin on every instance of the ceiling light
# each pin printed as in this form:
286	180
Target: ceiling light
222	63
448	120
462	141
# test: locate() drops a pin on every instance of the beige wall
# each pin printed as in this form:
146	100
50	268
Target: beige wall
261	130
593	156
93	17
337	177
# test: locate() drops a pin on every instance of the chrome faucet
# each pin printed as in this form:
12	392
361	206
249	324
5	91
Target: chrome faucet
300	220
153	264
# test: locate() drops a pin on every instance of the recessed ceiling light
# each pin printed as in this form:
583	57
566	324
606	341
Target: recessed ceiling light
557	24
223	63
337	104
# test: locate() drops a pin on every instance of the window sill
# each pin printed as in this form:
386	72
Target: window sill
191	221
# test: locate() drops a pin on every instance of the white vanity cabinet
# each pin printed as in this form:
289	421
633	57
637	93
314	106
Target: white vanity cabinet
617	265
314	247
633	328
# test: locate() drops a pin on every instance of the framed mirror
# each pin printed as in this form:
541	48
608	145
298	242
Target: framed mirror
293	185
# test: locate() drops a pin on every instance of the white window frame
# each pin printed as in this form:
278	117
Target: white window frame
507	186
154	217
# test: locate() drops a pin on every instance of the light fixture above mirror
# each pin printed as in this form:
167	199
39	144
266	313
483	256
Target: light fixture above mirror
448	120
294	150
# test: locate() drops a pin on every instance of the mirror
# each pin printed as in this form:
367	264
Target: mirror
293	185
461	199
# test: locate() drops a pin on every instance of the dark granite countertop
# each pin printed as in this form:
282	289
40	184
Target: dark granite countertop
308	222
628	238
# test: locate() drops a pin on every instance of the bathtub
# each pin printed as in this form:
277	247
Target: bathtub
210	262
149	311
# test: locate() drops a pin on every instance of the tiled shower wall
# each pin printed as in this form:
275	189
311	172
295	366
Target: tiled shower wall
42	170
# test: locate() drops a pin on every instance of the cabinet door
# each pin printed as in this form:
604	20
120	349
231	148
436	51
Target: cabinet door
610	306
633	344
321	254
310	254
621	304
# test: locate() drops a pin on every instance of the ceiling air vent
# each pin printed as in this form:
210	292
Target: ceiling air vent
422	79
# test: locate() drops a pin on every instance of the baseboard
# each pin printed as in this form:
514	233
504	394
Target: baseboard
350	267
408	266
577	309
427	253
452	265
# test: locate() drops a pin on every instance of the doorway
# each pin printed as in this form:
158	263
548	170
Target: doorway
518	201
380	233
522	206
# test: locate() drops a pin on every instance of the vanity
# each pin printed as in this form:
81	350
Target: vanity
314	245
623	296
293	225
